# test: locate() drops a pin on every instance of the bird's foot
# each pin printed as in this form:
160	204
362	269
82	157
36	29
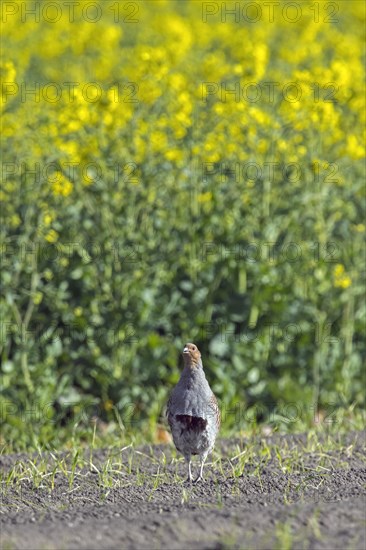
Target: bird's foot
199	478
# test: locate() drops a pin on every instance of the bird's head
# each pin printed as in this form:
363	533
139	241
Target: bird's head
191	355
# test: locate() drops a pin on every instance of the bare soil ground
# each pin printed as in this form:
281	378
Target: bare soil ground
278	492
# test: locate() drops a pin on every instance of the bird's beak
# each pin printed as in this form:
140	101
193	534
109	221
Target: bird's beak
186	350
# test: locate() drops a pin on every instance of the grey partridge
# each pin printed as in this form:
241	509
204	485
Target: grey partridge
192	411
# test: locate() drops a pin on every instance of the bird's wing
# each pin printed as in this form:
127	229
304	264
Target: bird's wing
215	406
187	403
168	407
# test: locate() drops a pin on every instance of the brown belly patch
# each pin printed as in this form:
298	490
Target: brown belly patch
194	423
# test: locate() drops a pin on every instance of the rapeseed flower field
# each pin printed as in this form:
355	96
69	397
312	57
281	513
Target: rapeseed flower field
181	171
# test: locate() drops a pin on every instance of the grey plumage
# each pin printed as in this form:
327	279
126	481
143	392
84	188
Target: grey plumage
193	412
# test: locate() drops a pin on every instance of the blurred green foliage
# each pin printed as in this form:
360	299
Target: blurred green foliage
231	223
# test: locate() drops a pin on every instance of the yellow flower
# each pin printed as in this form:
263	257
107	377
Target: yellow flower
263	146
341	279
62	185
15	220
7	71
71	148
47	219
354	148
219	108
179	132
177	81
108	118
7	77
343	282
51	236
338	270
158	141
204	197
282	145
174	154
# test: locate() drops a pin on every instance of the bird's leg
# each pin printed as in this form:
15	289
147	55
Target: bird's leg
202	462
189	478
